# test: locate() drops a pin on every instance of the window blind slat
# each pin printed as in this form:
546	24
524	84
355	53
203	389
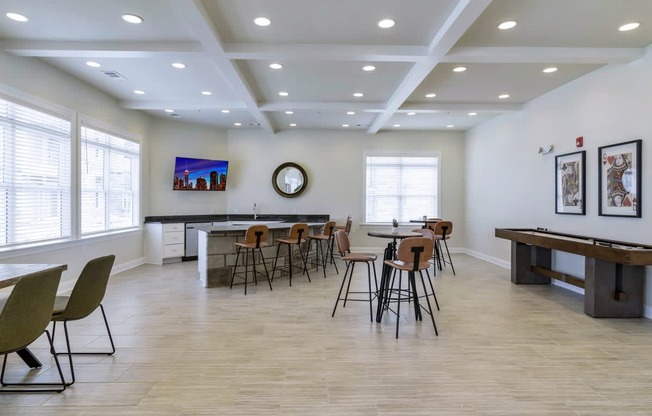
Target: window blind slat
35	172
110	173
401	187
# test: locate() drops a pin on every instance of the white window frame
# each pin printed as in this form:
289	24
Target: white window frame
400	153
87	122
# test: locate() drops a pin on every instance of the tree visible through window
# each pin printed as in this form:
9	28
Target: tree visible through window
403	187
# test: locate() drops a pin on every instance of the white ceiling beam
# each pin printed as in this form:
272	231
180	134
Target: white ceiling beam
180	105
443	107
521	55
198	21
47	49
325	106
304	52
462	17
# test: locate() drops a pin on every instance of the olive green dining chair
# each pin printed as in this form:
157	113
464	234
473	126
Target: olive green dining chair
24	318
85	298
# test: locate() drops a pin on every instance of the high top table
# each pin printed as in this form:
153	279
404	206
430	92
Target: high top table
389	254
10	274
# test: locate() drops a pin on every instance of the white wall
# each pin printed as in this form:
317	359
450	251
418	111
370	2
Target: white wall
334	164
510	185
33	80
171	139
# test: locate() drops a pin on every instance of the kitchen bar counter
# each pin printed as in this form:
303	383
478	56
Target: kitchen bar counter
216	254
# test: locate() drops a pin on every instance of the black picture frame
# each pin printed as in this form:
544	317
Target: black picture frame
620	179
570	183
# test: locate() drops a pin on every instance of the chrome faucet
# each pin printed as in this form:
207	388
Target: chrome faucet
255	214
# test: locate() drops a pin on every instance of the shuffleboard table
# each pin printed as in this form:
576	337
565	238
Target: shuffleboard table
614	271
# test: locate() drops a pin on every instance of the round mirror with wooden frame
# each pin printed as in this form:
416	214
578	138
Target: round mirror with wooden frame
289	180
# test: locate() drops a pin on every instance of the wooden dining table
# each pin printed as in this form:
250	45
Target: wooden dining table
10	274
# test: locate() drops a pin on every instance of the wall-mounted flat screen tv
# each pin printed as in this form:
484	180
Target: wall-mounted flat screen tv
199	174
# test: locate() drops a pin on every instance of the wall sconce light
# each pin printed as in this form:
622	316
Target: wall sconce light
544	150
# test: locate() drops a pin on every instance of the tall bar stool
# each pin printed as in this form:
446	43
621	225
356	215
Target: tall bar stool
443	231
298	235
327	237
350	259
255	239
429	233
412	256
347	225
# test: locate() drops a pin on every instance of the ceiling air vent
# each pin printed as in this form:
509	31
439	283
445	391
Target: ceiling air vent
114	75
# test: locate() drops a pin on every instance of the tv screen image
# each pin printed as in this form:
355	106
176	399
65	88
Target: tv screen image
200	174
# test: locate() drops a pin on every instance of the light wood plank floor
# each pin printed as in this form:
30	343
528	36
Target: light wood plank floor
502	350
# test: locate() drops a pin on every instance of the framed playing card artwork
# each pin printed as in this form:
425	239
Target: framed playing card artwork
570	178
619	180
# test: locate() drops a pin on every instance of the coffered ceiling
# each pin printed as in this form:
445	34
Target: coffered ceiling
323	46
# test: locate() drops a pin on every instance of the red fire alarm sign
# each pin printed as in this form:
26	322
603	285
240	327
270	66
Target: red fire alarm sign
579	142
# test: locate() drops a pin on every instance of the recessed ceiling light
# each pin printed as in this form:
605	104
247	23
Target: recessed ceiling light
262	21
431	95
139	92
358	94
132	18
503	96
450	126
460	69
17	17
293	124
275	66
179	65
473	114
411	113
368	68
206	93
386	23
350	113
169	110
507	25
629	26
225	111
396	125
346	125
283	93
93	64
550	70
237	124
289	112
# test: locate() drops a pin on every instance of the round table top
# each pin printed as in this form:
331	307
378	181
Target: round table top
389	234
428	220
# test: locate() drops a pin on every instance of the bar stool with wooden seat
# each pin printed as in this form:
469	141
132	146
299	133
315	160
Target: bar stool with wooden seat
443	231
412	256
327	237
347	225
350	259
297	237
255	239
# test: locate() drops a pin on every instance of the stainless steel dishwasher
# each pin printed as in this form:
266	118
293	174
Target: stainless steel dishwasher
192	237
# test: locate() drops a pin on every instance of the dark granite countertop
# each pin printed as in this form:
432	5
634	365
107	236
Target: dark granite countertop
313	218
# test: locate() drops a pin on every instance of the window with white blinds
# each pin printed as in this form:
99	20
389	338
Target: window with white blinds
401	187
110	182
35	186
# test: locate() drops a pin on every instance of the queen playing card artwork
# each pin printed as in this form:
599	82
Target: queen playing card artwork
620	177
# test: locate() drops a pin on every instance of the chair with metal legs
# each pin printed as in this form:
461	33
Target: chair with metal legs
350	259
297	237
325	237
443	231
24	318
412	256
255	239
85	298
